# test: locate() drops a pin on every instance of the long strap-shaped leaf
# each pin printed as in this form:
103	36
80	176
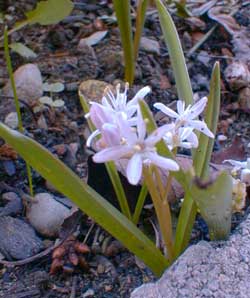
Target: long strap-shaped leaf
140	20
86	198
122	11
173	43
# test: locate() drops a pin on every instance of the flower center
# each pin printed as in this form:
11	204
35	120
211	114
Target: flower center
138	147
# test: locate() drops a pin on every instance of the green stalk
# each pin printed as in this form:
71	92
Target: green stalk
212	114
18	110
119	190
184	88
111	168
139	24
122	11
162	212
85	108
140	203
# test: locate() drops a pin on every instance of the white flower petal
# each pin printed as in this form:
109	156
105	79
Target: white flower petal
100	114
130	110
106	103
158	134
180	106
237	164
141	127
202	127
192	139
162	162
91	137
166	110
112	153
111	134
186	145
134	169
245	176
139	95
198	108
126	130
185	132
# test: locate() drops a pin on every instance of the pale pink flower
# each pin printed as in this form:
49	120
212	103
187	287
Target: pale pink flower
135	146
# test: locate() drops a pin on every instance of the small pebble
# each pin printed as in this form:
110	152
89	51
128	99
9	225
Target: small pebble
11	120
222	138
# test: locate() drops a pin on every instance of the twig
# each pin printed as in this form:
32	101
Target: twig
33	258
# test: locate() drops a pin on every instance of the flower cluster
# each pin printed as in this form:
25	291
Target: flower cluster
122	135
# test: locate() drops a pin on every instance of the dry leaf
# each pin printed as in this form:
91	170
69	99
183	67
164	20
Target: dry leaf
227	21
236	151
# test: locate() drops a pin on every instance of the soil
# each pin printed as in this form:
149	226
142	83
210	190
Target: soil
117	273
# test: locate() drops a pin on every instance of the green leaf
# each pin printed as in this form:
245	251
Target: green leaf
215	204
119	190
69	184
185	223
212	115
182	10
201	164
173	43
49	12
22	50
140	20
122	11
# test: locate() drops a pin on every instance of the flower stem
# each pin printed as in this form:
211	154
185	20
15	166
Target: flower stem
18	110
169	181
162	212
140	203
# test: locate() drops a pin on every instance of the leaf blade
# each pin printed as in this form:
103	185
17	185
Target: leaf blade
48	12
86	198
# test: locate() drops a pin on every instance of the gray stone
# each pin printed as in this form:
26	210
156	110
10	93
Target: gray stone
46	214
215	269
18	239
150	45
29	84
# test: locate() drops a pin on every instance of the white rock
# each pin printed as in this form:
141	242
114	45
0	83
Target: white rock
29	84
46	214
11	120
222	138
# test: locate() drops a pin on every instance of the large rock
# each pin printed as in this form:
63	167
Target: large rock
215	269
46	214
93	90
29	84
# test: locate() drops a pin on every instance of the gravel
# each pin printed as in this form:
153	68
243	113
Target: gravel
215	269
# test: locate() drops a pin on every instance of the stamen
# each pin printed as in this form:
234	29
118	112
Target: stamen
137	148
123	141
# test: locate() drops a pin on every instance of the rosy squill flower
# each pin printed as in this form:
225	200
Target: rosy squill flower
120	103
112	106
135	146
183	137
185	117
